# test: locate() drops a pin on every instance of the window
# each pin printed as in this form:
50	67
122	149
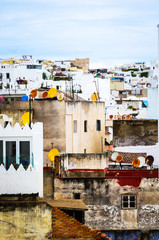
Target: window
76	195
74	126
57	87
10	153
128	201
7	75
85	126
15	152
1	76
24	153
34	67
98	125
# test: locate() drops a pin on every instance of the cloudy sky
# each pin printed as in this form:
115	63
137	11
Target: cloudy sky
107	31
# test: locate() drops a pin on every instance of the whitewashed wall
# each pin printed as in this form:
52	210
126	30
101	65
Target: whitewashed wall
21	180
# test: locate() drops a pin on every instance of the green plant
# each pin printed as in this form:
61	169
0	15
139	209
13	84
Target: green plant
44	75
7	86
133	75
51	77
130	107
144	74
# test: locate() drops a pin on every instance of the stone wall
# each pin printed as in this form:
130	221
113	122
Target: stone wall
81	62
103	199
25	220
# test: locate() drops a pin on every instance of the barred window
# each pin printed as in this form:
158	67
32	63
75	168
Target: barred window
128	201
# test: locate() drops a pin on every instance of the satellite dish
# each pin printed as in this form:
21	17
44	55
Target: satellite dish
149	160
24	98
119	158
52	92
44	94
110	116
114	155
25	118
33	93
142	161
51	155
136	162
94	97
60	96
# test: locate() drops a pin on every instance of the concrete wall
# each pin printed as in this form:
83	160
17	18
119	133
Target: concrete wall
84	161
153	112
135	132
52	114
103	199
116	85
25	220
57	118
92	140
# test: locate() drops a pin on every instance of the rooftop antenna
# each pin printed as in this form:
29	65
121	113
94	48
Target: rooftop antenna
97	87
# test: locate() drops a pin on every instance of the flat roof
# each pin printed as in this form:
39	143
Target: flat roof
73	204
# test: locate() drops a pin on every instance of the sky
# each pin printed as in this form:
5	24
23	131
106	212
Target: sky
109	32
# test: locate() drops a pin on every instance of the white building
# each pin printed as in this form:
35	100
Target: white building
22	75
21	158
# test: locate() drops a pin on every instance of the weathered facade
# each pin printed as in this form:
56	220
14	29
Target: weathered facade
135	132
104	198
23	217
69	126
80	63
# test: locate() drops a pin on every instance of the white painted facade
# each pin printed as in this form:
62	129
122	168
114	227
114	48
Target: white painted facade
22	181
30	71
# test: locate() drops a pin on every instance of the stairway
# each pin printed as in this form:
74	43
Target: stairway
65	227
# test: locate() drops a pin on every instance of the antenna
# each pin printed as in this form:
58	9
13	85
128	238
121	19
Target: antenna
119	158
60	96
149	160
94	96
142	161
51	155
136	162
25	118
44	94
33	94
52	92
114	155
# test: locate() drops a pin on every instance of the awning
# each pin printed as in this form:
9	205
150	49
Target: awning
72	204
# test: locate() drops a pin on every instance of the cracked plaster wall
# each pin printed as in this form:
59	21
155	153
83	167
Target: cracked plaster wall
103	199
